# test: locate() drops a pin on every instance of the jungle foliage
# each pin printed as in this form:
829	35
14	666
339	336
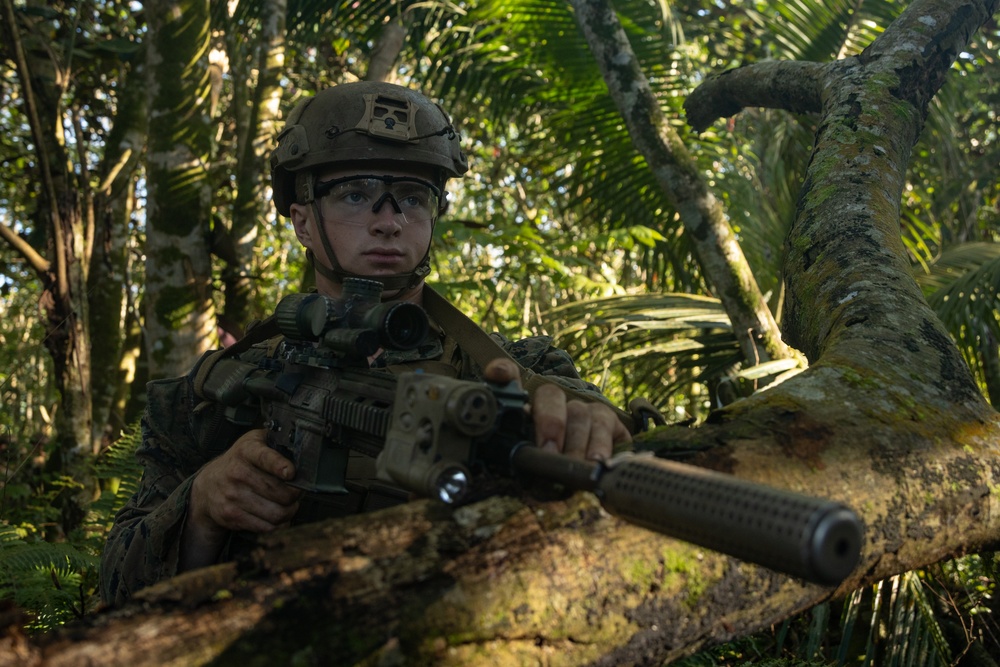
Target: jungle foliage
560	229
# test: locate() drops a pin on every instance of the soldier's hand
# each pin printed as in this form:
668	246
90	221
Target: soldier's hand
582	429
244	489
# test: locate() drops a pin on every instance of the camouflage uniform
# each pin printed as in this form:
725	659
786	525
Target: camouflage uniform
143	546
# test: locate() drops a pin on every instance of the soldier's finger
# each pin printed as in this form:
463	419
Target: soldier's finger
269	460
548	414
248	510
266	484
579	426
501	371
619	434
270	514
602	431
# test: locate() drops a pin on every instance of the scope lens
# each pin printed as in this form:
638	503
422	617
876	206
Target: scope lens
405	326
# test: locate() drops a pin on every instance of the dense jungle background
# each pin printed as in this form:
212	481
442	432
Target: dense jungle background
137	233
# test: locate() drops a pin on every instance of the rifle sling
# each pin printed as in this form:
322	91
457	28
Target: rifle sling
483	349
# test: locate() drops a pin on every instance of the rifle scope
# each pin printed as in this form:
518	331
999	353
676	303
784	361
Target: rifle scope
357	322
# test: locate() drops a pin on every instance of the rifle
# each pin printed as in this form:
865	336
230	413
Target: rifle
433	435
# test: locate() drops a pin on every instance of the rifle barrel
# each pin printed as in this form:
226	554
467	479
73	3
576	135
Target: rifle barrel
814	539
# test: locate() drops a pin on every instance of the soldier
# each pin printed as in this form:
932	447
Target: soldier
360	169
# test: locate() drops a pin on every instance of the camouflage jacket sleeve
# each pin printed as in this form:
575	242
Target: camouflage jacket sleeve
143	545
538	354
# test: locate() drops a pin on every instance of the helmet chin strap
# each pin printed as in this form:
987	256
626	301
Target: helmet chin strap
391	283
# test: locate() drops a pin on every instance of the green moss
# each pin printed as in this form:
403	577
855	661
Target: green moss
498	619
902	110
680	565
223	594
802	243
820	195
460	638
175	304
640	573
859	380
825	165
864	139
879	82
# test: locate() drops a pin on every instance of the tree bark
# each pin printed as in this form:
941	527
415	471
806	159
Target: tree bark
113	360
719	254
385	53
179	309
886	419
63	266
261	70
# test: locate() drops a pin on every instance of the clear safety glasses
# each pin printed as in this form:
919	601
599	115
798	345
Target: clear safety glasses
354	199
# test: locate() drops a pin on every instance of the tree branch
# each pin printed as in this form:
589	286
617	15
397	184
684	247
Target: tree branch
39	264
718	252
793	86
37	134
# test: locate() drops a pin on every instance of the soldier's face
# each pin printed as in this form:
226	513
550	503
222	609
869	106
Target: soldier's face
375	227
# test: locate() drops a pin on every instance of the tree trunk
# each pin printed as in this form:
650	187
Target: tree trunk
63	269
886	419
385	54
991	365
719	254
256	129
180	314
113	360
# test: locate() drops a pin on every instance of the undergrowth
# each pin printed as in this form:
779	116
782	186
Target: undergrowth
55	581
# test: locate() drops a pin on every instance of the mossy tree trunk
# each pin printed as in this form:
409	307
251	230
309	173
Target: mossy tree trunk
179	308
112	317
258	62
886	419
60	246
718	253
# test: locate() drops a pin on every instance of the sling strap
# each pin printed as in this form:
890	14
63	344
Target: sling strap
483	349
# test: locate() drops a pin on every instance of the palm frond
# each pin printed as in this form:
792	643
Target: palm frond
525	65
903	628
820	31
657	344
962	288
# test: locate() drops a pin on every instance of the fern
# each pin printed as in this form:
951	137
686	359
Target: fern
55	582
896	622
44	578
119	473
57	556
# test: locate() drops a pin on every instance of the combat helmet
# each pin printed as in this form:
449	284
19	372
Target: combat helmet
364	121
